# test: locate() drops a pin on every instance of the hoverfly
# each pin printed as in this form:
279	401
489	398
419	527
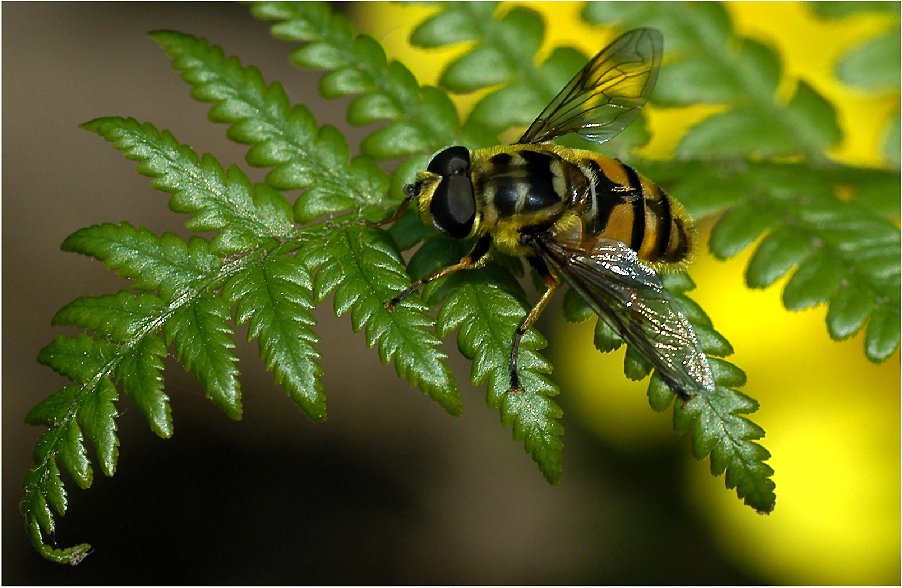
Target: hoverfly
575	214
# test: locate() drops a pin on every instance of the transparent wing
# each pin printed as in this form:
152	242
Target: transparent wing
630	297
606	95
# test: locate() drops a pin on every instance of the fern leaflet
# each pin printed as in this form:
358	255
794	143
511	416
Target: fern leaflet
845	250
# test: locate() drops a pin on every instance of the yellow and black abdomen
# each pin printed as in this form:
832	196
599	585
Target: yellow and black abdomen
625	206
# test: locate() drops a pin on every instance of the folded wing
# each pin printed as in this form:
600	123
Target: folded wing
629	296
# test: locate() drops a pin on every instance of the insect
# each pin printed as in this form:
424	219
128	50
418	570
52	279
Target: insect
577	215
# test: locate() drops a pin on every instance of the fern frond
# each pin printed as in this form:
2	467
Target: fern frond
873	64
269	262
843	250
141	377
86	409
716	420
844	253
502	53
485	309
119	317
221	200
275	299
202	338
420	118
76	358
363	269
283	137
304	156
720	430
116	316
716	66
165	263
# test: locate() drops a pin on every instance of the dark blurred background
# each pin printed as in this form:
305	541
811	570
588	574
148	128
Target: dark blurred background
389	490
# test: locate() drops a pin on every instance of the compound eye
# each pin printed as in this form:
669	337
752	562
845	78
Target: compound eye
452	161
453	206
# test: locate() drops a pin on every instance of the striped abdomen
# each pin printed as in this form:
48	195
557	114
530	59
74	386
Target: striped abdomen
623	205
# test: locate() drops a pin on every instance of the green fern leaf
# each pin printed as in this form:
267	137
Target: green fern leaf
37	504
720	430
833	242
54	412
166	263
814	117
849	245
480	68
740	72
485	309
503	53
275	299
77	358
779	252
502	43
203	343
882	335
74	457
873	64
117	316
605	338
715	419
849	309
420	119
140	375
485	306
93	402
364	271
221	200
737	133
120	317
635	367
43	490
283	137
813	283
97	418
448	27
575	307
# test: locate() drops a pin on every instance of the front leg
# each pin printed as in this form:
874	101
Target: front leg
477	255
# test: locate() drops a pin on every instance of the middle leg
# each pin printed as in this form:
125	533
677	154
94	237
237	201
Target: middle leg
551	284
474	258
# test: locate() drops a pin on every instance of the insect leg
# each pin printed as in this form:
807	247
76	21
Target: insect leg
409	194
476	256
551	284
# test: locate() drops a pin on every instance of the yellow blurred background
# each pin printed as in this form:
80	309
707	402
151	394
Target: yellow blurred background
832	418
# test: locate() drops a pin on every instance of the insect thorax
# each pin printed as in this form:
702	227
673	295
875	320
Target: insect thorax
522	188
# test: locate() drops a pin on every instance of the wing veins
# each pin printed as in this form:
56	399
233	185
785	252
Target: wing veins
604	97
630	297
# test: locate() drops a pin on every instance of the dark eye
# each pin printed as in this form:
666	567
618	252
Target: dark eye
451	162
453	206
